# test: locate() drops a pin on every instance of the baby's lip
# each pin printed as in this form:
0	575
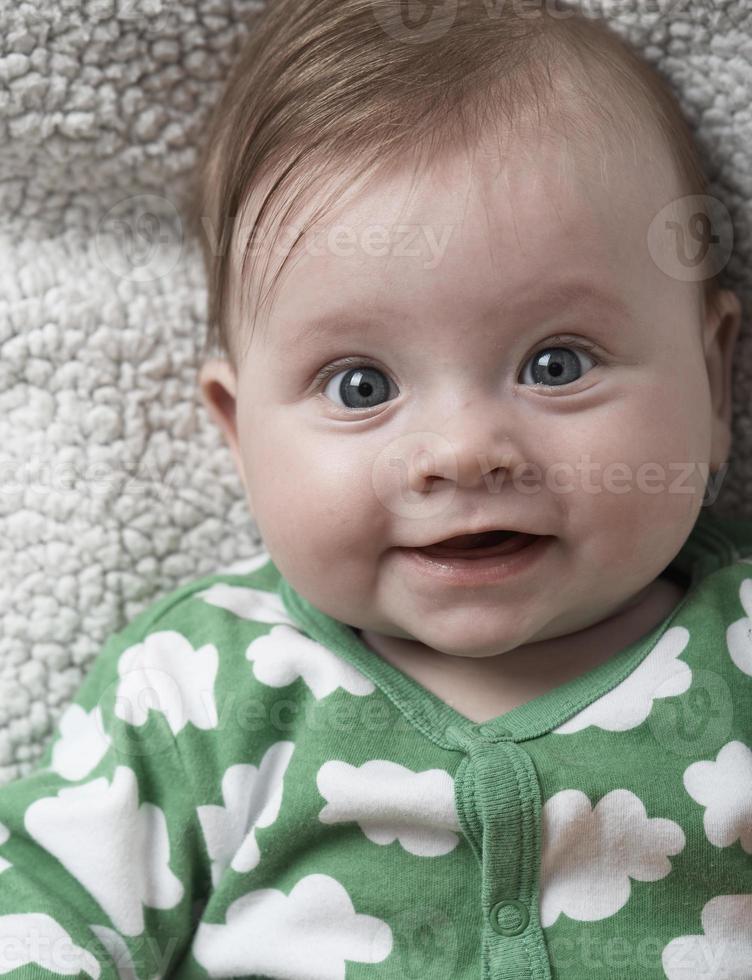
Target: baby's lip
470	546
479	539
455	538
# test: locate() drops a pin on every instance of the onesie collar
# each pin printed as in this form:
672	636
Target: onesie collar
706	550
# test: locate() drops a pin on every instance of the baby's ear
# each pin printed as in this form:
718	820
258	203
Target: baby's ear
218	384
721	329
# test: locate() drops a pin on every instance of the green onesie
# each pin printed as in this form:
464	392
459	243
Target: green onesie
241	788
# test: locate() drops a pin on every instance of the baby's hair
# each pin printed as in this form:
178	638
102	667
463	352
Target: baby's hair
327	87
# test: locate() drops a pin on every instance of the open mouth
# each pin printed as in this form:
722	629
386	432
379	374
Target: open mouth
483	545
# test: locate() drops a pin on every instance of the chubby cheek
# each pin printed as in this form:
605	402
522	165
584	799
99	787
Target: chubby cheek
314	504
638	498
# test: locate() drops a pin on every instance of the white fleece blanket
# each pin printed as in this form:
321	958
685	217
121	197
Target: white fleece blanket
115	486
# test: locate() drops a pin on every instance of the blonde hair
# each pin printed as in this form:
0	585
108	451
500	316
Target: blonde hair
342	85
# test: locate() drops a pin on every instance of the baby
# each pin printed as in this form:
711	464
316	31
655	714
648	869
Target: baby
481	706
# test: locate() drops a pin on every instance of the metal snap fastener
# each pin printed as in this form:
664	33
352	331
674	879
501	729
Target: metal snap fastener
509	917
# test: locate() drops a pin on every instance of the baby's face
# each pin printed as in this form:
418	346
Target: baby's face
445	428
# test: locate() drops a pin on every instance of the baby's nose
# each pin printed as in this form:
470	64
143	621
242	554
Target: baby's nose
468	451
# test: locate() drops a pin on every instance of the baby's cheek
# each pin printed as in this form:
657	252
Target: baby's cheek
640	496
649	437
309	495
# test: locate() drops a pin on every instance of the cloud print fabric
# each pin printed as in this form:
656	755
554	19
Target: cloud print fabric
242	789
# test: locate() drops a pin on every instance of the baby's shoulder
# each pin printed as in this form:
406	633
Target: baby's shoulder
233	603
711	634
719	552
720	599
214	627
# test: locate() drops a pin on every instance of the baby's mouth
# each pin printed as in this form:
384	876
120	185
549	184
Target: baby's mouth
484	545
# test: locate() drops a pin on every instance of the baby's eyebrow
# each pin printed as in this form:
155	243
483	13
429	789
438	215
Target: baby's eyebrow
589	292
333	322
571	294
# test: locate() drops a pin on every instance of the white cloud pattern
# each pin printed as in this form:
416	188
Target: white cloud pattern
84	826
391	802
309	934
36	938
285	654
252	797
660	675
724	787
245	566
722	952
739	634
82	745
166	673
590	854
253	604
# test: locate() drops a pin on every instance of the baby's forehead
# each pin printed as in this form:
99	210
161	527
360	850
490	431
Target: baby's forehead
564	141
596	182
547	188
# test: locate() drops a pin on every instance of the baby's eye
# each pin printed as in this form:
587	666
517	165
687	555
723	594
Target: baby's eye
363	386
555	366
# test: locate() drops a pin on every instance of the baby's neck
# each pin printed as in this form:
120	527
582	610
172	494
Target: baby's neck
485	687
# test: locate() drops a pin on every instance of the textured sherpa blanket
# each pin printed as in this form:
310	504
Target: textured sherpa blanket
115	486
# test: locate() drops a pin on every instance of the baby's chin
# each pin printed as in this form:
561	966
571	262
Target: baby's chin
426	645
575	634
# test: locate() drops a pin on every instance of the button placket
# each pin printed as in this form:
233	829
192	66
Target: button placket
506	800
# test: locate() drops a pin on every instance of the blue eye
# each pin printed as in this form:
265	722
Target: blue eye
359	387
555	366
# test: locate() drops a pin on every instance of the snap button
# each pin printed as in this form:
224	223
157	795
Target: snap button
509	917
